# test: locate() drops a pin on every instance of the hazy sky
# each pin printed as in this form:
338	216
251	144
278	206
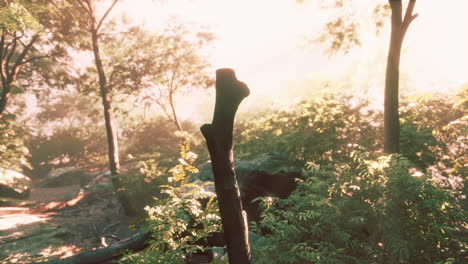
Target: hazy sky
263	41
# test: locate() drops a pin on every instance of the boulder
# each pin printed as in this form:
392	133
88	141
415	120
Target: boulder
270	174
14	184
65	176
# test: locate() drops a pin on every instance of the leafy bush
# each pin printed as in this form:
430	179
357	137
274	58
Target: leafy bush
434	133
180	223
143	183
13	152
66	146
157	137
61	147
324	130
370	211
65	132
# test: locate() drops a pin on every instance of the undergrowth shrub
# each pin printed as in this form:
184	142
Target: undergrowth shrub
370	211
157	135
67	146
144	183
324	130
182	220
432	136
434	133
13	152
65	133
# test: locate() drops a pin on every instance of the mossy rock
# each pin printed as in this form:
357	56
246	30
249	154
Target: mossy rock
270	174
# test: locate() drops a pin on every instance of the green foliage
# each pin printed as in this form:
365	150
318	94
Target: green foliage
65	132
323	130
171	59
354	205
340	35
326	131
371	211
156	137
71	146
417	142
63	146
344	29
433	133
20	16
180	222
143	183
13	152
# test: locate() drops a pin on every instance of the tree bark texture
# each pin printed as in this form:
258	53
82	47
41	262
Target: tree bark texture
229	94
399	27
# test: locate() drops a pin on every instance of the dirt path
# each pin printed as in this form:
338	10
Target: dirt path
64	221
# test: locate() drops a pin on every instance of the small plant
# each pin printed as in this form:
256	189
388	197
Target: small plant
181	222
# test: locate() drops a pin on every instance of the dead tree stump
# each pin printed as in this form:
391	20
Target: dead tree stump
229	94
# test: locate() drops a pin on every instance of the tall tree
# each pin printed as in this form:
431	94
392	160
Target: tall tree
391	115
161	66
25	39
88	18
93	25
184	69
342	33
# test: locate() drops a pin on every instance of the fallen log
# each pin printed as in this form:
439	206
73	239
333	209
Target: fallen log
229	94
135	242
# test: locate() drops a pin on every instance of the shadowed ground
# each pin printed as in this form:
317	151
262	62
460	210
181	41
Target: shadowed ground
62	222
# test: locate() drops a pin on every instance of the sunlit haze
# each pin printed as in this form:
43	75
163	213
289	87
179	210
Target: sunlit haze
264	41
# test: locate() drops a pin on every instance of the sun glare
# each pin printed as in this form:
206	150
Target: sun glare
16	216
264	42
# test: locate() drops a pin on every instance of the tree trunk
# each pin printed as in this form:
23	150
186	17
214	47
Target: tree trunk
174	113
113	150
392	77
6	93
229	94
107	103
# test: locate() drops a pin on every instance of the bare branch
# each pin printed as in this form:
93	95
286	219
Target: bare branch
87	7
163	107
161	104
409	17
106	14
7	48
171	83
14	73
15	34
19	61
10	52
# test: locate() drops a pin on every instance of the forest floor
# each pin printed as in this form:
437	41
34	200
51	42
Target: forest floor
61	222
